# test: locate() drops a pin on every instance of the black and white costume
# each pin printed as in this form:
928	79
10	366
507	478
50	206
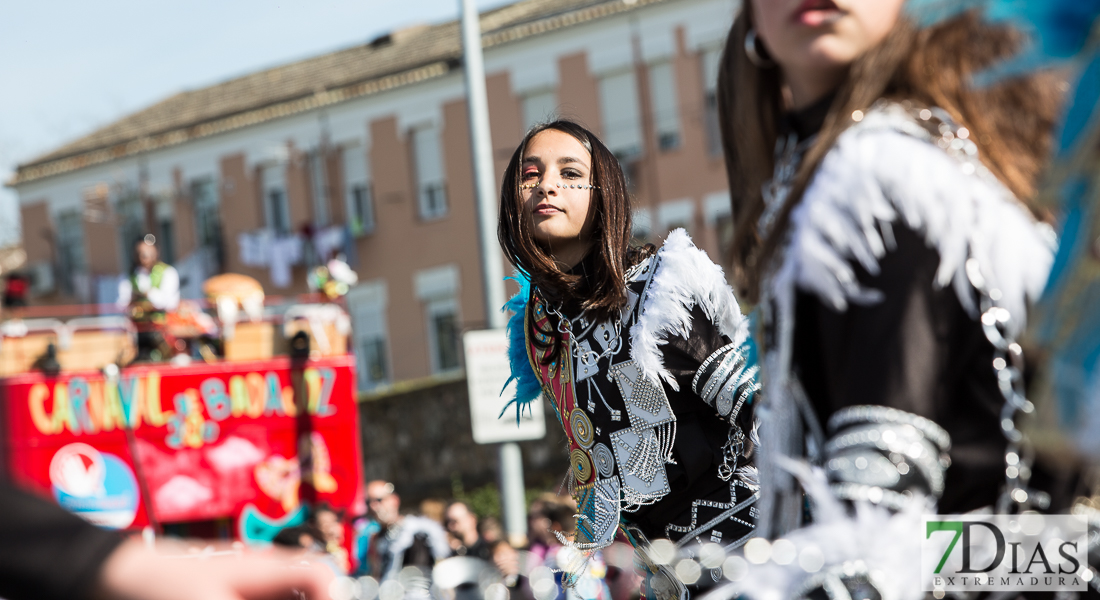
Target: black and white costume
904	259
657	404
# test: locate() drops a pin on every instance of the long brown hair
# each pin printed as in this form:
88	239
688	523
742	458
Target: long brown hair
601	290
1010	121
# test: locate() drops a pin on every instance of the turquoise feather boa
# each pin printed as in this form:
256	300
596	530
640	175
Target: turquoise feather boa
528	387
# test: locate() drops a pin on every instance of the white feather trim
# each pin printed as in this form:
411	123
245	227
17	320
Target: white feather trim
889	545
684	277
876	175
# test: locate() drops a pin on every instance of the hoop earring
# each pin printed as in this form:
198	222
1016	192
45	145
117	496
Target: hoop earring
757	57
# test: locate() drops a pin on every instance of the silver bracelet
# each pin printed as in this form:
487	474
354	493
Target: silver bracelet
886	414
717	354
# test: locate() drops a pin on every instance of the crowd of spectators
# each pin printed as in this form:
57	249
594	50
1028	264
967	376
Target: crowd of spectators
394	552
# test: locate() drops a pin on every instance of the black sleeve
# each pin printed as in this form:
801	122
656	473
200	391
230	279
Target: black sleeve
685	356
919	351
701	429
46	552
701	432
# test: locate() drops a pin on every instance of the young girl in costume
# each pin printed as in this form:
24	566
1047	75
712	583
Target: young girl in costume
642	353
881	205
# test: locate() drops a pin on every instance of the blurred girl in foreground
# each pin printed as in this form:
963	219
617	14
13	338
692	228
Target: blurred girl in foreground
881	204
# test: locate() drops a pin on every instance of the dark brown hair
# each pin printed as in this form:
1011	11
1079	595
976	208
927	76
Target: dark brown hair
601	290
1010	121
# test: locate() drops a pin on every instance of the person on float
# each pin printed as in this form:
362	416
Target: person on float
151	292
153	287
882	201
643	353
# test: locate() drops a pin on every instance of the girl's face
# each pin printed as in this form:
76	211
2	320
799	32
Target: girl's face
814	41
556	175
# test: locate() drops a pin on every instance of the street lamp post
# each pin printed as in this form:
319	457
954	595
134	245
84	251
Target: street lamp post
513	504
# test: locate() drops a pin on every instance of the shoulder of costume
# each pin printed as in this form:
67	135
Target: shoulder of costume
683	277
528	387
889	168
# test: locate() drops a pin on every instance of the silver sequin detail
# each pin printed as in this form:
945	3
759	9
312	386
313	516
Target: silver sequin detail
604	460
639	391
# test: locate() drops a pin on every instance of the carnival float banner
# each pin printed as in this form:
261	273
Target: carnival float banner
182	444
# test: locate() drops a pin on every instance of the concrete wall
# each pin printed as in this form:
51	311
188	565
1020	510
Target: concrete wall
422	440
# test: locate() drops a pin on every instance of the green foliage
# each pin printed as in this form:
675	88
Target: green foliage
484	501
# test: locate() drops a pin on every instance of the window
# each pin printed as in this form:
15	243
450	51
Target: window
642	225
437	288
357	190
717	213
208	224
43	280
679	213
539	107
711	59
130	211
367	303
430	176
70	249
72	262
723	227
621	115
443	333
276	205
318	183
666	115
166	242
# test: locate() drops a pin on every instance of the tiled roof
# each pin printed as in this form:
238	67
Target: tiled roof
405	57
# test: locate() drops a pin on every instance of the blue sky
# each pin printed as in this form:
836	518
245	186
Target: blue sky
71	66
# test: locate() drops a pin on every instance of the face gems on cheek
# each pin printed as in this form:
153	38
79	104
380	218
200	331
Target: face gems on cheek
571	186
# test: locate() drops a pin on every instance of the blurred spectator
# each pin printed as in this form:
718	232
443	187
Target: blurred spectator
15	290
302	536
513	570
623	577
432	508
401	540
539	522
555	520
312	543
363	529
461	523
490	530
330	523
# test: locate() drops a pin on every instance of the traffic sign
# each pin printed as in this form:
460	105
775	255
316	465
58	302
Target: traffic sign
487	369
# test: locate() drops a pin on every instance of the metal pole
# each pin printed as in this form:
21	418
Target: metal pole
512	500
513	504
481	147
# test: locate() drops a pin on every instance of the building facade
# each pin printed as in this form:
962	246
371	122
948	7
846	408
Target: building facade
365	152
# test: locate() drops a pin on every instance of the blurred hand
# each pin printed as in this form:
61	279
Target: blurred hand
135	573
506	560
